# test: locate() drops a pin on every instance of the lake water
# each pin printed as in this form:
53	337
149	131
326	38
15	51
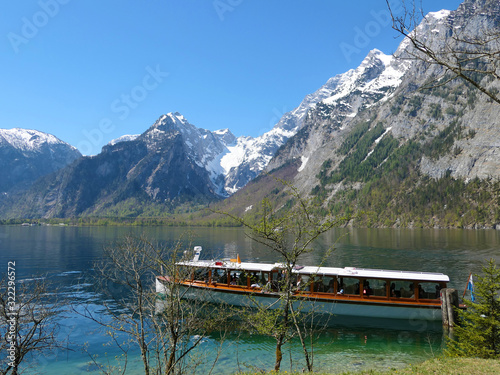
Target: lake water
66	256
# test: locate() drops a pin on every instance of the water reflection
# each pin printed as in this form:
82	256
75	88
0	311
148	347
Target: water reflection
67	254
335	349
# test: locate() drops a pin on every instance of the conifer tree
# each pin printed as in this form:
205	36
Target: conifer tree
479	332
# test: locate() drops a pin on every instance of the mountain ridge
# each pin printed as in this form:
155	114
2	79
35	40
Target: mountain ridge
28	154
369	132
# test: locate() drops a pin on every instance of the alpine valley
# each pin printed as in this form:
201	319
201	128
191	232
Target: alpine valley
386	139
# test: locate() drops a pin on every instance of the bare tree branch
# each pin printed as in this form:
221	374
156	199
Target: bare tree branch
31	324
465	54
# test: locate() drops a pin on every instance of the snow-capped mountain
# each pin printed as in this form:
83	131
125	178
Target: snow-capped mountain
203	147
393	123
374	81
232	162
27	140
26	155
343	96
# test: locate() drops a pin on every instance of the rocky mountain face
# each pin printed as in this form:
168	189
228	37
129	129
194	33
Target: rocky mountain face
341	96
158	167
341	99
423	143
27	155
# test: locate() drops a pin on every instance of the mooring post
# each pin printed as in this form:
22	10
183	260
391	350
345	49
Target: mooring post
444	308
449	300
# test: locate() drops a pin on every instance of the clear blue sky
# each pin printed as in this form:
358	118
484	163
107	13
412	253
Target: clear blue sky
91	71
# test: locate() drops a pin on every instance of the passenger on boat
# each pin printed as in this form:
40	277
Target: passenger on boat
222	278
299	283
412	291
393	290
341	287
320	287
438	292
367	291
421	293
254	278
267	287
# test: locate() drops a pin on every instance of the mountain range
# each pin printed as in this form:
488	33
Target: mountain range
370	138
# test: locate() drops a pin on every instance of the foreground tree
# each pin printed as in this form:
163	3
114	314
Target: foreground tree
470	52
478	333
289	231
166	329
30	313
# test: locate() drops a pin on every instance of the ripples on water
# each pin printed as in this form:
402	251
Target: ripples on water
65	255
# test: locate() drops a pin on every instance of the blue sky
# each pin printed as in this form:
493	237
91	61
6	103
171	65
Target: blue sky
91	71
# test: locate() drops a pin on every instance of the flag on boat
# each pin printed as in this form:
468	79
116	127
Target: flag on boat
470	287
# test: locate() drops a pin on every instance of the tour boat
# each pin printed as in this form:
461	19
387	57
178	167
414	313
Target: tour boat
349	291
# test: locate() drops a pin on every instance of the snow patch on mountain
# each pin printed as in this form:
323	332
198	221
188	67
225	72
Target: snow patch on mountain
27	154
28	139
440	14
303	161
377	74
124	138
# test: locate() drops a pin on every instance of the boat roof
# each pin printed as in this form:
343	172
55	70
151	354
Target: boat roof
323	271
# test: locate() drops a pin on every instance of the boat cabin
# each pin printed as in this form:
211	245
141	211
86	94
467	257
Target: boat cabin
317	282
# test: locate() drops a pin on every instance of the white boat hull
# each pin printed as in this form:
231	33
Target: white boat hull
337	307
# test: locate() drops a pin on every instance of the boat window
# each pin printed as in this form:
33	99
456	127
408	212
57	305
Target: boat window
321	284
402	289
374	287
201	274
237	277
219	275
276	281
429	290
258	279
329	283
349	285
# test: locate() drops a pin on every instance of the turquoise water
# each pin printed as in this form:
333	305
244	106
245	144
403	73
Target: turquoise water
66	255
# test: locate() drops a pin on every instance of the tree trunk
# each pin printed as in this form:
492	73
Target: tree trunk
279	355
171	357
302	342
